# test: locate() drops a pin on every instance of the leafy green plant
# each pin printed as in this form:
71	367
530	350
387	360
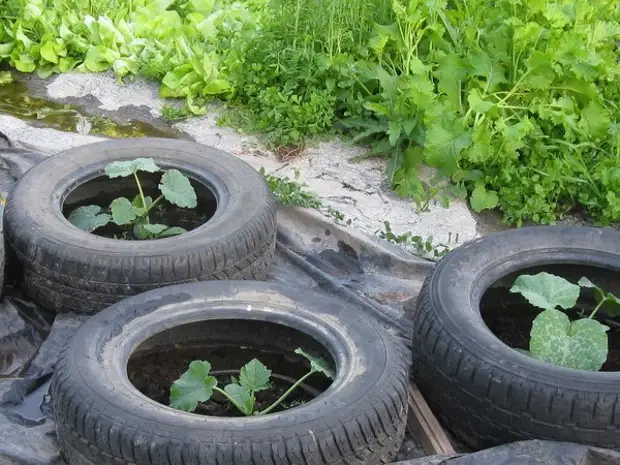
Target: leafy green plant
171	113
580	344
416	244
197	385
133	215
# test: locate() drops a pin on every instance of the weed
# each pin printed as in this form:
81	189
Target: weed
172	113
416	244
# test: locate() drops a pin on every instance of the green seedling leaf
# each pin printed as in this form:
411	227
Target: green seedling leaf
89	218
194	386
154	229
242	397
122	169
177	189
138	206
318	364
611	306
123	212
254	376
140	232
546	291
173	231
581	344
482	199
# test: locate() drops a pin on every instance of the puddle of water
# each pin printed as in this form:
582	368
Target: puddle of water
15	101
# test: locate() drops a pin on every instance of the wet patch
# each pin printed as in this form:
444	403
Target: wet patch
22	101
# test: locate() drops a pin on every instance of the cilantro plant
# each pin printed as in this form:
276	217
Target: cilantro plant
197	385
581	343
133	215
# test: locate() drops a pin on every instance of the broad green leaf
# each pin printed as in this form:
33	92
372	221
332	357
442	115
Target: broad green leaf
450	72
89	218
482	199
48	52
546	291
123	212
140	232
145	164
99	58
241	396
254	376
611	306
173	231
477	103
122	169
443	146
119	169
194	386
138	205
155	229
177	189
317	364
581	344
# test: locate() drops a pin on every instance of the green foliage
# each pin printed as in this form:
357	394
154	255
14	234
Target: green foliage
580	344
174	187
511	101
416	244
170	113
290	192
196	385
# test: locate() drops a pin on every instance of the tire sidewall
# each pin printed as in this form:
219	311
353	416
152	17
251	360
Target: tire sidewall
364	354
241	192
458	283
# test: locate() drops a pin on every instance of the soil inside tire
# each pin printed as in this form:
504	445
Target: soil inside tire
101	191
153	373
510	318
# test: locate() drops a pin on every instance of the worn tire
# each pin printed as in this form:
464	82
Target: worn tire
486	392
65	269
101	419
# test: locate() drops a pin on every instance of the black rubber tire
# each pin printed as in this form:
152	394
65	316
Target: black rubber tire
487	393
65	269
101	419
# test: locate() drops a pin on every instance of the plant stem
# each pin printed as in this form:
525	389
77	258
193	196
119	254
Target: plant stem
231	400
596	309
154	203
146	215
286	394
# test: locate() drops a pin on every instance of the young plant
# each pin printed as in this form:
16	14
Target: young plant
134	214
580	344
197	385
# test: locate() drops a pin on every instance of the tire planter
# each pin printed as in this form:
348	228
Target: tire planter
488	393
66	269
102	419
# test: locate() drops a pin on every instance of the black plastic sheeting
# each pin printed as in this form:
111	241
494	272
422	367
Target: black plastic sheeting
313	252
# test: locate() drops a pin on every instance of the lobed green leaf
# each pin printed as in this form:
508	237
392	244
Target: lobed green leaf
193	387
318	364
176	188
89	218
581	344
254	376
546	291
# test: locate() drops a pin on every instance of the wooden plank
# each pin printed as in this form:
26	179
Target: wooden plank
427	428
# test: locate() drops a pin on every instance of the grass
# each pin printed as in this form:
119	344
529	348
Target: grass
512	102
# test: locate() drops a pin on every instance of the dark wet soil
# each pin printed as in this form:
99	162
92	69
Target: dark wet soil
153	374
